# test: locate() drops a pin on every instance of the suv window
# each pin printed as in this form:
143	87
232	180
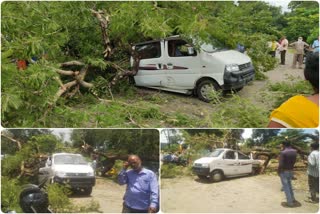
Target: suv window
242	156
178	48
230	155
150	50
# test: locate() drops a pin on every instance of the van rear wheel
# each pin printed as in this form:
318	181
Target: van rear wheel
206	89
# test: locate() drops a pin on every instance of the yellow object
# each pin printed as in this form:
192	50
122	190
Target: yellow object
273	45
297	112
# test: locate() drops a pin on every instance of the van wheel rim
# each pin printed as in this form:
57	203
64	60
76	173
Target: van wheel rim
217	177
206	90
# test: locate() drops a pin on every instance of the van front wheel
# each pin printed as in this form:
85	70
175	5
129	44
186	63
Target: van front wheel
206	90
216	176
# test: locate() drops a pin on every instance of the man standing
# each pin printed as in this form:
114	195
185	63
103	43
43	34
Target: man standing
299	52
313	172
283	49
287	160
142	192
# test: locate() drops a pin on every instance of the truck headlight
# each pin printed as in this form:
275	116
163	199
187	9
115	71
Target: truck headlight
90	173
61	174
232	68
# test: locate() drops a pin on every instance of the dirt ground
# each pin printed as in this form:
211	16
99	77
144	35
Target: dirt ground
251	194
107	193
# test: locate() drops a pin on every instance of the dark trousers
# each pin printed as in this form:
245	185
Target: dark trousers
126	209
272	53
313	186
283	57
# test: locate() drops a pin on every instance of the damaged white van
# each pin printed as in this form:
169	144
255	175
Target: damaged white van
174	65
223	162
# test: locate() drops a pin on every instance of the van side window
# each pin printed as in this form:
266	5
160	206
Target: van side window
242	156
230	155
149	50
178	48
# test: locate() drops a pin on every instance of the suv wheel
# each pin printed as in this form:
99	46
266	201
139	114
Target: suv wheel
216	176
205	90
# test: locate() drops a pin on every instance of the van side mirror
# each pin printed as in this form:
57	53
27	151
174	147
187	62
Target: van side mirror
190	51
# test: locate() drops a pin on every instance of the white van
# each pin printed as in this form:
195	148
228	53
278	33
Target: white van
70	169
223	163
174	65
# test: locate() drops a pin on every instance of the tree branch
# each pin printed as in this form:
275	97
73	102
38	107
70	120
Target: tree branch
13	140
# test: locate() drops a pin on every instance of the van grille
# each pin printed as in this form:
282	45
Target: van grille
244	66
76	174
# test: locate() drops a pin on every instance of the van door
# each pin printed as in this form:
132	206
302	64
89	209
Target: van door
151	72
245	166
182	67
230	163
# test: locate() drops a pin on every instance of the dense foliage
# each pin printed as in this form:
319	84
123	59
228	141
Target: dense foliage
55	32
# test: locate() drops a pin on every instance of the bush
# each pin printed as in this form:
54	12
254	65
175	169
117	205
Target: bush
173	171
282	91
238	112
10	190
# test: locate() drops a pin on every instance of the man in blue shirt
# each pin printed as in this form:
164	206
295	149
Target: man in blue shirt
142	193
315	45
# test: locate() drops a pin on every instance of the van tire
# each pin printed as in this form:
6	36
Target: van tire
216	176
202	177
204	87
87	191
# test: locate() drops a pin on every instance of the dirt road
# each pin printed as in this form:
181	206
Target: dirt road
258	194
107	193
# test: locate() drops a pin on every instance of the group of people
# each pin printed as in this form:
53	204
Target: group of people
299	49
301	111
287	160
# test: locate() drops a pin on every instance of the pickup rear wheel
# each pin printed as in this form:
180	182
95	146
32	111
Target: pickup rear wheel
205	90
216	176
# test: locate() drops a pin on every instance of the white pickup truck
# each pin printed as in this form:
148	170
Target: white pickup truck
70	169
173	64
223	163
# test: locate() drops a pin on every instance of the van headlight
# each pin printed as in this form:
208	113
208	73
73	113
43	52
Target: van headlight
61	174
232	68
205	165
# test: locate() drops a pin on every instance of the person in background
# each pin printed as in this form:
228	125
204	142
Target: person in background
299	52
287	159
313	172
142	192
315	45
273	45
283	49
300	111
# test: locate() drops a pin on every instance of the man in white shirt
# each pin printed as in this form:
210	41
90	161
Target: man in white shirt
283	49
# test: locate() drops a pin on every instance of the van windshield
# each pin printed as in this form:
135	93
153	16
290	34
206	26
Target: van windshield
210	48
216	153
69	159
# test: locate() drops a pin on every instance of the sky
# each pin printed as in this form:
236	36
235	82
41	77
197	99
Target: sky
282	3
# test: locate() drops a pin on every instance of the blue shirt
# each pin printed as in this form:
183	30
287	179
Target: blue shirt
315	45
142	188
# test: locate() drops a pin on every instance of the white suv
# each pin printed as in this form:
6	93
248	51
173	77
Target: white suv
174	65
225	163
70	169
